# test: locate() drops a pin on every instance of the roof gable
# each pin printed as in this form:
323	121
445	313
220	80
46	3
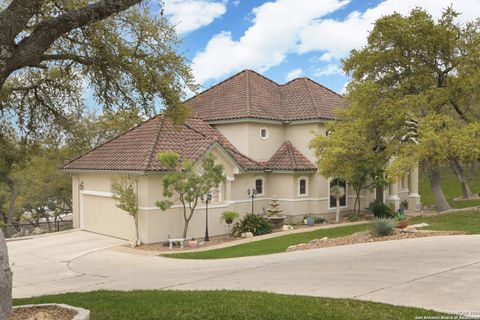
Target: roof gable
287	157
251	95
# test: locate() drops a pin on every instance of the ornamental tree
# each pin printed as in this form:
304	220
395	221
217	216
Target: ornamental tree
413	67
349	152
186	182
125	194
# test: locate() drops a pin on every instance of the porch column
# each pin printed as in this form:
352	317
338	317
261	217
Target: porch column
405	183
413	196
228	189
393	195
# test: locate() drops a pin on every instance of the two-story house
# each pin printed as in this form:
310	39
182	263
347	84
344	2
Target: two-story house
258	129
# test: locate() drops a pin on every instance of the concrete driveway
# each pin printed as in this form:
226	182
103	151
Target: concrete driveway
441	273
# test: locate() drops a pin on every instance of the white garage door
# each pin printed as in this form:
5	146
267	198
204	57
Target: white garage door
99	214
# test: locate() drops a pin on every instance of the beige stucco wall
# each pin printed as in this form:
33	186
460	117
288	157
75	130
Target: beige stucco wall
101	215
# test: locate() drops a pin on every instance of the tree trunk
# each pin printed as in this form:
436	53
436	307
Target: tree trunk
137	237
185	229
434	177
458	170
5	280
337	215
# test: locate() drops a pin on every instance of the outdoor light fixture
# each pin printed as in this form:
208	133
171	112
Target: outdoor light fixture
207	199
252	194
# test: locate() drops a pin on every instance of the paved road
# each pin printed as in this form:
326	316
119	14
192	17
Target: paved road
441	273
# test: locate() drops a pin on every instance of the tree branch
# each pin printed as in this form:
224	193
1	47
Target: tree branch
15	18
30	50
67	56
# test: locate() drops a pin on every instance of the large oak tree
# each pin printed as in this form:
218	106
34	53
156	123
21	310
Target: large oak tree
51	51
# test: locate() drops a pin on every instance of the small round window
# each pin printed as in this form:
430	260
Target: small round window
264	133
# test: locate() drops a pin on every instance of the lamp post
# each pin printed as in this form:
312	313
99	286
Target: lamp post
208	198
252	194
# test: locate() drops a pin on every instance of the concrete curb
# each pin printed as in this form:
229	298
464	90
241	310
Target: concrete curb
40	235
82	314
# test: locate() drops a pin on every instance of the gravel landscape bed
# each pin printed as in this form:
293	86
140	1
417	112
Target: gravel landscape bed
49	312
366	236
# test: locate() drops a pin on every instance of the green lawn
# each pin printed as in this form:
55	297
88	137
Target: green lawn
451	187
150	305
267	246
466	221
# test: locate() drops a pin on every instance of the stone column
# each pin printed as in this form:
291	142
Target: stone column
393	195
413	196
405	183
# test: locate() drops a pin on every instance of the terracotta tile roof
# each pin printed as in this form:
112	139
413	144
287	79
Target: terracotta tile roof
136	149
250	95
287	157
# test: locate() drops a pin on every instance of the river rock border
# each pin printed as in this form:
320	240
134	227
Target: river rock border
82	314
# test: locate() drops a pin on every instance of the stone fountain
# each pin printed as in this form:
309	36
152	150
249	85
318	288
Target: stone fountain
273	213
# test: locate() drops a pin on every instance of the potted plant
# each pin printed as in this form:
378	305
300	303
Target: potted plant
229	216
192	243
402	221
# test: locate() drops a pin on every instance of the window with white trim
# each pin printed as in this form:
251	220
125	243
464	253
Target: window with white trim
260	186
264	133
302	186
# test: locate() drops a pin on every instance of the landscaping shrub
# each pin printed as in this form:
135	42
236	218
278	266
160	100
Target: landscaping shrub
319	220
252	223
381	227
381	210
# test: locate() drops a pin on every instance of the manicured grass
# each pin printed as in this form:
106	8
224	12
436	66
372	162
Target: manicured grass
451	187
267	246
466	221
225	305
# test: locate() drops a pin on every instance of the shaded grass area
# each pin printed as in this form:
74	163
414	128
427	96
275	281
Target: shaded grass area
451	187
268	246
143	305
466	221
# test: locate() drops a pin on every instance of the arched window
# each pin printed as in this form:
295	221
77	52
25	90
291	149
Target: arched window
264	133
302	186
260	185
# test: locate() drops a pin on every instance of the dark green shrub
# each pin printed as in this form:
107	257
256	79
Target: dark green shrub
382	227
319	220
381	210
252	223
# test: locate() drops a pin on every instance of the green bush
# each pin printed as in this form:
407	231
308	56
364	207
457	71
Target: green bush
319	220
381	210
381	227
252	223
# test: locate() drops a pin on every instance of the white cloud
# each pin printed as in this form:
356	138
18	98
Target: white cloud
274	34
295	73
190	15
336	38
328	70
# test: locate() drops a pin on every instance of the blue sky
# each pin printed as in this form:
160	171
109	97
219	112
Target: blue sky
284	39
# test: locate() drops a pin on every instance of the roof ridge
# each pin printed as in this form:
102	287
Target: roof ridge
291	154
321	85
311	97
154	145
249	96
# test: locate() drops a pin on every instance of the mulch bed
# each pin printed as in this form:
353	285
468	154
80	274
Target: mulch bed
365	236
42	313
